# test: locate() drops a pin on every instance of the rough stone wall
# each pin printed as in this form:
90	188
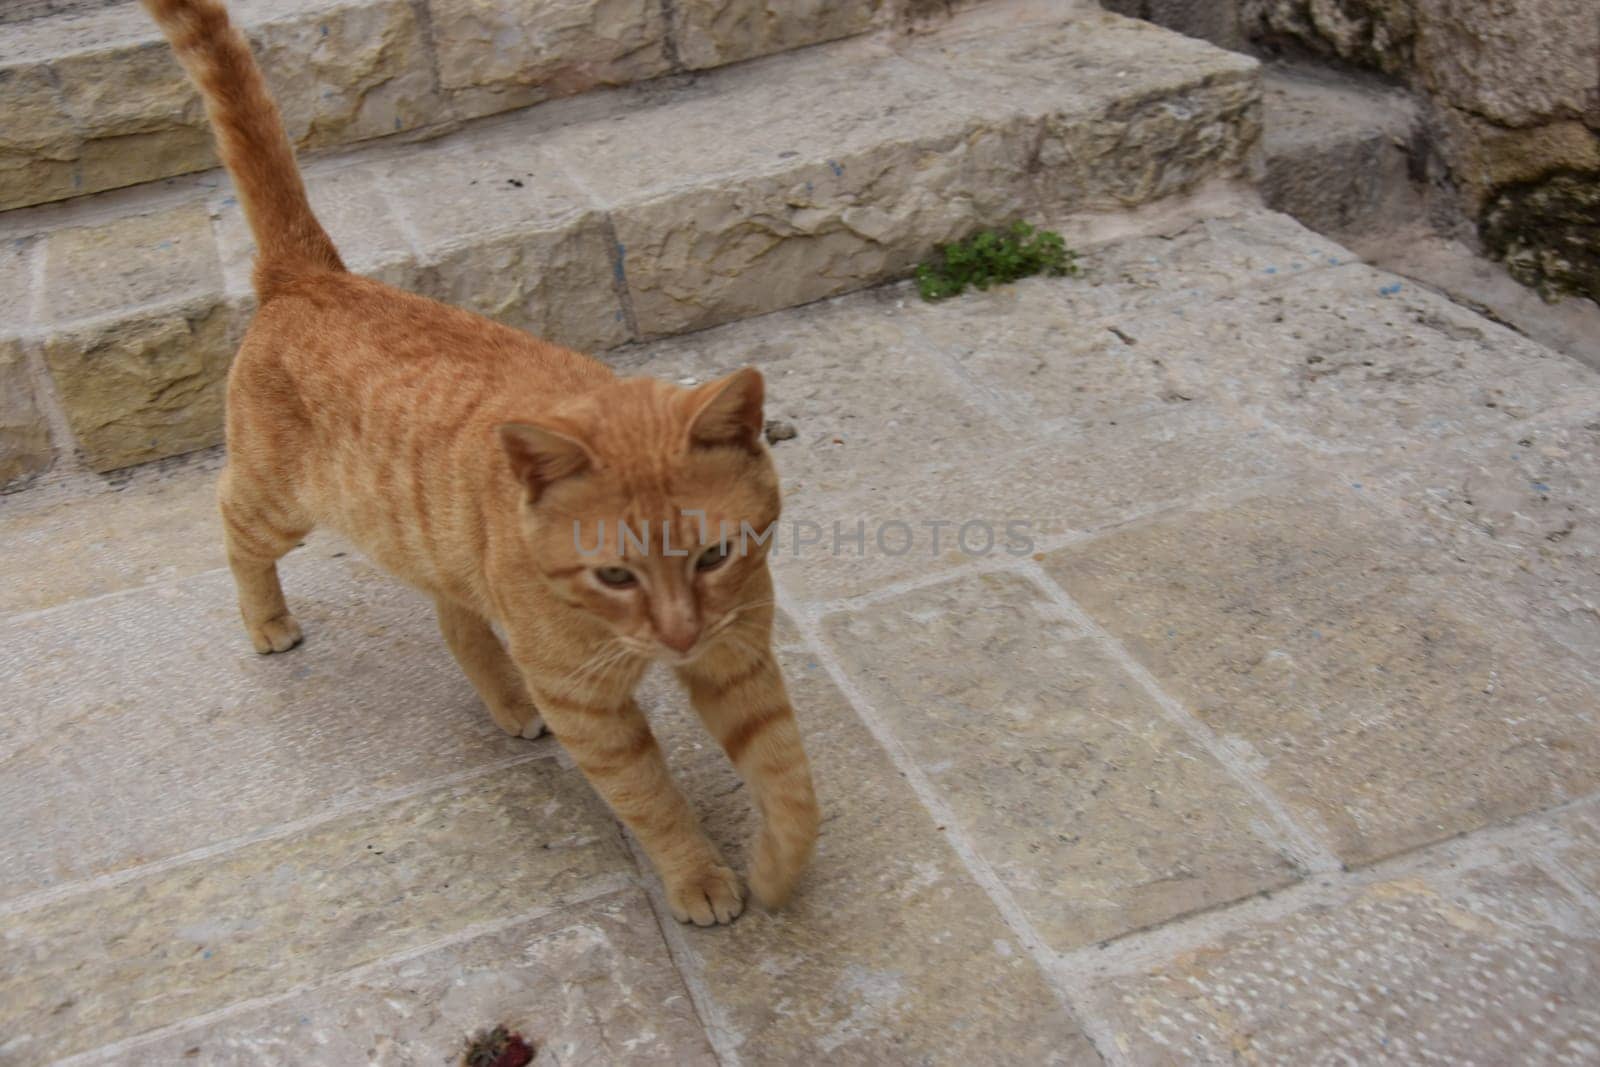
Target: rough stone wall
1511	94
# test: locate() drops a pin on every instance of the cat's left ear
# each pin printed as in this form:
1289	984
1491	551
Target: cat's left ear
540	455
728	411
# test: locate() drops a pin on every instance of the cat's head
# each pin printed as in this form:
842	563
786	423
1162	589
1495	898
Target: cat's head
652	508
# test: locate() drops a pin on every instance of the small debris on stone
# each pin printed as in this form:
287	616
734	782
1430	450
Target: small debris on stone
779	430
515	181
497	1048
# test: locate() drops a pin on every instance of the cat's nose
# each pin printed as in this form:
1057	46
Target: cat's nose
677	623
680	638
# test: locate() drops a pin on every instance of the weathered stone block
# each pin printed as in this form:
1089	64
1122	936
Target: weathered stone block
710	33
139	116
145	386
1216	21
503	232
162	255
754	206
886	933
495	55
1339	654
140	342
351	206
357	70
1486	157
1380	34
556	284
39	142
24	436
1513	62
1097	814
1339	153
105	104
1130	112
1490	967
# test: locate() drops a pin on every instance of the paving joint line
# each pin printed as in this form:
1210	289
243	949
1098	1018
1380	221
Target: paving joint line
719	1031
1042	545
1448	860
1011	914
1302	848
44	897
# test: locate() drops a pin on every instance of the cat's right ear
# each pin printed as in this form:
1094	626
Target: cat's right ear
540	455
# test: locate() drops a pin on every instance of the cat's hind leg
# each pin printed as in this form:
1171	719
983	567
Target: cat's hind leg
258	532
490	669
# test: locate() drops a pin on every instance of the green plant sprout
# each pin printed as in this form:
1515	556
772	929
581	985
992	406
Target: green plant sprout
993	257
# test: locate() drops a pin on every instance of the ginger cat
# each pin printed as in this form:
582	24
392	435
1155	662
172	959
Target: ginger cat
466	457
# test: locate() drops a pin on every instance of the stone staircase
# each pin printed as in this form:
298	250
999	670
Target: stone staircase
687	197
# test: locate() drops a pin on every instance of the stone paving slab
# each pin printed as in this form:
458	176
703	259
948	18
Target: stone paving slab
1330	649
156	527
862	391
1094	811
1497	966
261	920
590	983
1054	492
1520	509
889	952
154	705
1354	362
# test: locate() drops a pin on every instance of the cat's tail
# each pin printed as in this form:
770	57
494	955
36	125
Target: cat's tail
250	140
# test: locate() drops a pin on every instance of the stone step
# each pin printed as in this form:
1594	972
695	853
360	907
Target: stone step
94	100
783	181
1340	153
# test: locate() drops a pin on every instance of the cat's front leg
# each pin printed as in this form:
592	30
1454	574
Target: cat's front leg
741	698
487	665
614	747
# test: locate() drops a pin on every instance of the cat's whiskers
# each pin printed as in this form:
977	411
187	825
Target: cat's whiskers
595	668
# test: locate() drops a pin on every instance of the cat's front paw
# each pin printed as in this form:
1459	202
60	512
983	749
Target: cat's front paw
710	896
278	634
521	720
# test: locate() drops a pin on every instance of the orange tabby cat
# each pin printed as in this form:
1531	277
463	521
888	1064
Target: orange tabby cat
466	457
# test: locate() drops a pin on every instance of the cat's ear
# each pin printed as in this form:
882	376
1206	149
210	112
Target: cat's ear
540	455
728	411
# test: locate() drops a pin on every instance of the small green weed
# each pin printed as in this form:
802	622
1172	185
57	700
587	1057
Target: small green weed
992	257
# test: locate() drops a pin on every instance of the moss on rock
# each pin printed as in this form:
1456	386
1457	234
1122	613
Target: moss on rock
1548	233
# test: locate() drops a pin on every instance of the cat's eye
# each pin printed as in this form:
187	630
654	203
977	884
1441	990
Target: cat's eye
712	557
615	577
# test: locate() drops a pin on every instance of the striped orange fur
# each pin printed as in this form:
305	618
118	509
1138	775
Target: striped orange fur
459	454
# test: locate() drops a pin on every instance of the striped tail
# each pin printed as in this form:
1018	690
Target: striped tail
250	139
